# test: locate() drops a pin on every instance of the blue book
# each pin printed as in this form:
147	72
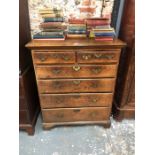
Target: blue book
104	34
76	31
41	36
59	19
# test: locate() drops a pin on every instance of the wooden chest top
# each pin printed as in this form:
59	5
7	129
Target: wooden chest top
74	43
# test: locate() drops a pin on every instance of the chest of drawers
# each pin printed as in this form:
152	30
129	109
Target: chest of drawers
76	80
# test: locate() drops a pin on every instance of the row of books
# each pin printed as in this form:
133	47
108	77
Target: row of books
53	26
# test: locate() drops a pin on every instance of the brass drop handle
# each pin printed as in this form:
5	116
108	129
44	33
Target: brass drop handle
94	100
65	57
43	58
99	55
86	57
96	70
56	71
76	82
76	68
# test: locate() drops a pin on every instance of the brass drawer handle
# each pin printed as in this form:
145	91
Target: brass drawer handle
56	71
43	58
94	100
76	110
76	68
76	82
96	70
66	58
86	57
99	55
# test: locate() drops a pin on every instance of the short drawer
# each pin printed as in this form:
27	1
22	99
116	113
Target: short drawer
76	100
53	57
76	71
75	114
98	56
76	85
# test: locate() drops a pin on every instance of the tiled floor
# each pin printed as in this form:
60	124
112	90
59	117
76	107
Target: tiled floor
80	140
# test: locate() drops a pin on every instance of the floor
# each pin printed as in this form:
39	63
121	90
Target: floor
80	140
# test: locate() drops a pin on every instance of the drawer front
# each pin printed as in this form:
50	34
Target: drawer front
22	103
98	57
76	100
76	85
53	57
23	116
76	71
75	114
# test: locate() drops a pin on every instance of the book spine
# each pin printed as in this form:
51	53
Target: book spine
104	34
53	19
76	32
51	33
47	36
76	36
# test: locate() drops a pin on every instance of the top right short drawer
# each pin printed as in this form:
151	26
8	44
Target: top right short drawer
98	56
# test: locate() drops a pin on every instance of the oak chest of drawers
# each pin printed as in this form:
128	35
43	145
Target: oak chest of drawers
76	80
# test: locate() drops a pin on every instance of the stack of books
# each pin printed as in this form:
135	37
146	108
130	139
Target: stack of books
53	26
100	29
76	28
104	34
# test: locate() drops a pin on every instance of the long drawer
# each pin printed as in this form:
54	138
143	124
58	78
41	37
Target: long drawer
53	57
75	114
76	85
98	56
75	100
76	71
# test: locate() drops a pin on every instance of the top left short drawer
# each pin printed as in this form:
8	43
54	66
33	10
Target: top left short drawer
53	57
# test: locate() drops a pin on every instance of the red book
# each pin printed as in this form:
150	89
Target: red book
51	24
76	21
97	22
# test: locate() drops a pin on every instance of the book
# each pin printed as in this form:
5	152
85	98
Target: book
51	39
52	30
104	34
76	31
76	36
98	23
52	15
52	33
55	19
54	25
40	35
76	21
